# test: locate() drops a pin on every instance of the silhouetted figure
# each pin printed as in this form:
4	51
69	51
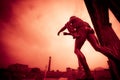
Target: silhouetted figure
81	30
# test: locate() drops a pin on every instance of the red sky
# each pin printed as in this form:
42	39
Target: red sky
29	34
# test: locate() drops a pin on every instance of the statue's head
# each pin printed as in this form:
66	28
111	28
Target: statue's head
74	19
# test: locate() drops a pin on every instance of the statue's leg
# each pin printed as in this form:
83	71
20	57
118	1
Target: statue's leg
81	58
104	50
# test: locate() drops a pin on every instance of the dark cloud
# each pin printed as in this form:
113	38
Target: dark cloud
6	9
6	14
4	56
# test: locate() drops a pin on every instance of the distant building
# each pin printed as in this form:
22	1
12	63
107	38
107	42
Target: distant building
19	68
102	74
98	73
23	72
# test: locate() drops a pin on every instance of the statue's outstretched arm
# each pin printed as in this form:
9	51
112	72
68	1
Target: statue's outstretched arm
61	30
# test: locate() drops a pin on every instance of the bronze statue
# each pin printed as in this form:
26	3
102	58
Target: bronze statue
81	30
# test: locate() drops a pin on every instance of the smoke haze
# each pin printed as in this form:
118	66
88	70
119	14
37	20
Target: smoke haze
28	30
